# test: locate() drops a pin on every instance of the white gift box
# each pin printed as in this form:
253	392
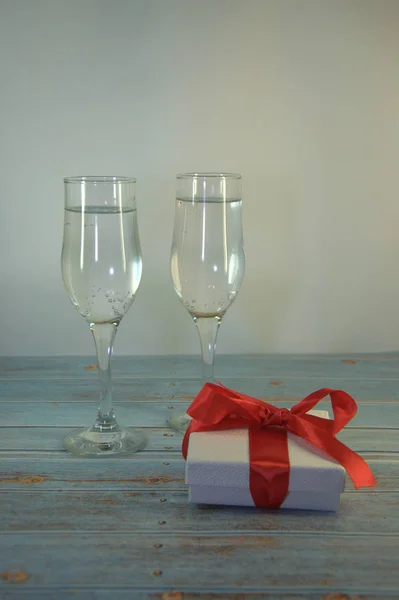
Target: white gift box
217	471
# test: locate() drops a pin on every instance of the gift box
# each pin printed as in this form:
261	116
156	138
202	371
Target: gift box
243	451
217	471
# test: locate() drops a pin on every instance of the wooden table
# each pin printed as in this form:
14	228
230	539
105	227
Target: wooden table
109	528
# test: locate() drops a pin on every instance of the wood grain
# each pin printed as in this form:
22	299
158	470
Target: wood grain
49	439
127	389
258	563
160	510
155	414
112	528
168	593
176	367
62	471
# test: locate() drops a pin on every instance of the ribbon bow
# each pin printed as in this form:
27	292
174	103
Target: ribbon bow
216	408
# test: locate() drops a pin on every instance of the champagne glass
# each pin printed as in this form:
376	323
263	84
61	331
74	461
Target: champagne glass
101	269
207	257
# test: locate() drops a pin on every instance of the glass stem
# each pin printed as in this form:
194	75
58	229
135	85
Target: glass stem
208	328
104	335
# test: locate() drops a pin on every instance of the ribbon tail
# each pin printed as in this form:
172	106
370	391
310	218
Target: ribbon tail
184	447
356	467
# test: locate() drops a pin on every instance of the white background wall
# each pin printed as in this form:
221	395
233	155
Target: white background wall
300	96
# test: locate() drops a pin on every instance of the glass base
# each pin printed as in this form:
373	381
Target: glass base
179	422
95	443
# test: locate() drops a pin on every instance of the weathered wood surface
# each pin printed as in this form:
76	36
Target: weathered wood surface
155	414
173	367
108	528
84	388
296	562
163	510
137	472
49	438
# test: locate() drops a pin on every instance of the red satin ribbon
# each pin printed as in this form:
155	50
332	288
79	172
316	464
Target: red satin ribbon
218	408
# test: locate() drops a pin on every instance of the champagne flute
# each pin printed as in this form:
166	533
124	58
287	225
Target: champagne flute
207	257
101	269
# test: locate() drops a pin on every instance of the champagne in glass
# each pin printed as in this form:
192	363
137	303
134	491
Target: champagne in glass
207	257
101	269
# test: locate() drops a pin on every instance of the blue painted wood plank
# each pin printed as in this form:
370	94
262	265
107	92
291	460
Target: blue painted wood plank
287	562
164	593
66	499
47	439
141	471
260	366
106	592
139	414
168	512
156	413
128	389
